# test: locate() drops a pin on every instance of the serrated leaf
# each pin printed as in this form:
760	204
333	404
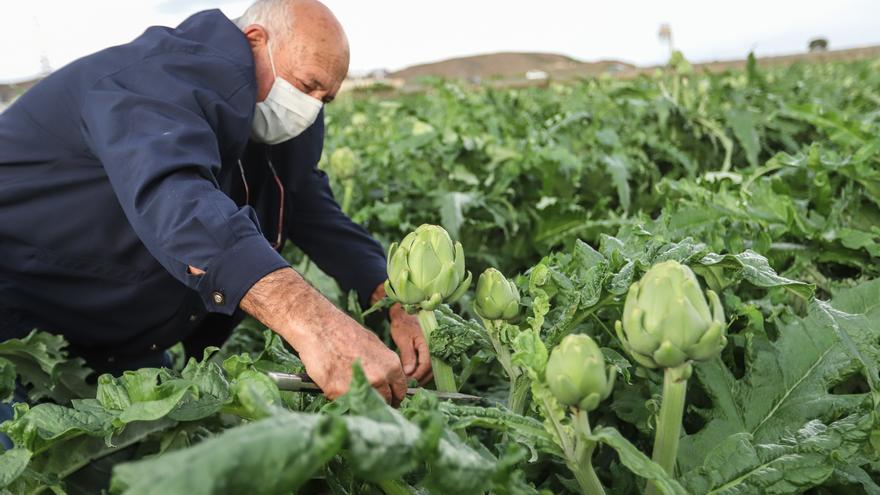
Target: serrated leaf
755	269
792	464
787	382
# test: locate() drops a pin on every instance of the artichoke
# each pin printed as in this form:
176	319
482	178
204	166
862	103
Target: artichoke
497	298
667	321
577	375
426	269
343	164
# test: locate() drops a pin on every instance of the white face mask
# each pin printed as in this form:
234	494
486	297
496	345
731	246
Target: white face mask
285	113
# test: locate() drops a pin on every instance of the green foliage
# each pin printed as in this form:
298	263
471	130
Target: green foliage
764	183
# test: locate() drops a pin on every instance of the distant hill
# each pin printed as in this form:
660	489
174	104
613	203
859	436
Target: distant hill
10	91
506	65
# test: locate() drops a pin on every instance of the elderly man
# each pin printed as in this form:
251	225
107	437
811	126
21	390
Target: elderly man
145	192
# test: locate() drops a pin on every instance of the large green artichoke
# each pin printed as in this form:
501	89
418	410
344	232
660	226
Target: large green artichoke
667	321
426	269
497	298
577	375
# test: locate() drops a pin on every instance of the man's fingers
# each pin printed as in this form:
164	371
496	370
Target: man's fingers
424	367
385	391
398	387
408	356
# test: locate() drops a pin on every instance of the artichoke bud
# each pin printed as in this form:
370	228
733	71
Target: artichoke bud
343	164
497	297
667	321
426	269
577	375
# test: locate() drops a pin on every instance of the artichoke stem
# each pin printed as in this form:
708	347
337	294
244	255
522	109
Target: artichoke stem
394	487
444	379
669	421
519	387
518	397
582	465
493	328
346	196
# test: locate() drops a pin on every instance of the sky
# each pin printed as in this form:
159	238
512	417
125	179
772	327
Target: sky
393	34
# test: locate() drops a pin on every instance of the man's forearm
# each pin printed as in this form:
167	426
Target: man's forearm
286	303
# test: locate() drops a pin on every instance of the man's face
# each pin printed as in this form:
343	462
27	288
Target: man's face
316	76
316	67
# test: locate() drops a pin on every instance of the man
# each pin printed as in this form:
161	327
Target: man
145	192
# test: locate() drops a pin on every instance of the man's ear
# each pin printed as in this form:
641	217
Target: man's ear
256	35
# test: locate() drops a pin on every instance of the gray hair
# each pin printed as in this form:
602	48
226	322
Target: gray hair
275	16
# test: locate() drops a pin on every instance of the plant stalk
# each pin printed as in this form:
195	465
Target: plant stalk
669	421
444	378
394	487
582	464
518	397
519	388
347	192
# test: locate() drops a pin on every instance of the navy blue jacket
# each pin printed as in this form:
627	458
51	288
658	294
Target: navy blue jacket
121	169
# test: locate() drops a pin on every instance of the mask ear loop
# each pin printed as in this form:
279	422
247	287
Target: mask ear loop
271	60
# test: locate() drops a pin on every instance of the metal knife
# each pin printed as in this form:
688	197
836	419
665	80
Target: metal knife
300	382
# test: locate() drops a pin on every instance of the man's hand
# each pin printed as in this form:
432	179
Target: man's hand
410	340
327	340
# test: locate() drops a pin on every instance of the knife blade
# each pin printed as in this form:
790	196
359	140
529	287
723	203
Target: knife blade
301	382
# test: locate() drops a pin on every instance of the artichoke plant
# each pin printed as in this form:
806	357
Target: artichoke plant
577	375
668	323
497	298
425	270
344	166
497	303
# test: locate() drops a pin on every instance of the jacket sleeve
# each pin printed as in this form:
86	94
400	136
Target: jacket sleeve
341	248
154	127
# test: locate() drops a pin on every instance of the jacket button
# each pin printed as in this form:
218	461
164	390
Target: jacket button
154	347
218	298
193	317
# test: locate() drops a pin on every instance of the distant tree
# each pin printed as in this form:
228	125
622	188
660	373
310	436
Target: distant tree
818	45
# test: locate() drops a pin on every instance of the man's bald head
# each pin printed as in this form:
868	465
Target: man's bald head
308	44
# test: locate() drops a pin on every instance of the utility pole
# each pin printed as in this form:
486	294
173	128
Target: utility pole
665	35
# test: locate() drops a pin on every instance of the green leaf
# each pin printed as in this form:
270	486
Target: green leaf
787	382
12	464
256	396
453	206
525	430
792	464
271	456
38	427
637	462
756	270
7	380
744	124
41	361
618	169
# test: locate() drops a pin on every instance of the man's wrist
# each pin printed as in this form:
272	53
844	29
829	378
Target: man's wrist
284	302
